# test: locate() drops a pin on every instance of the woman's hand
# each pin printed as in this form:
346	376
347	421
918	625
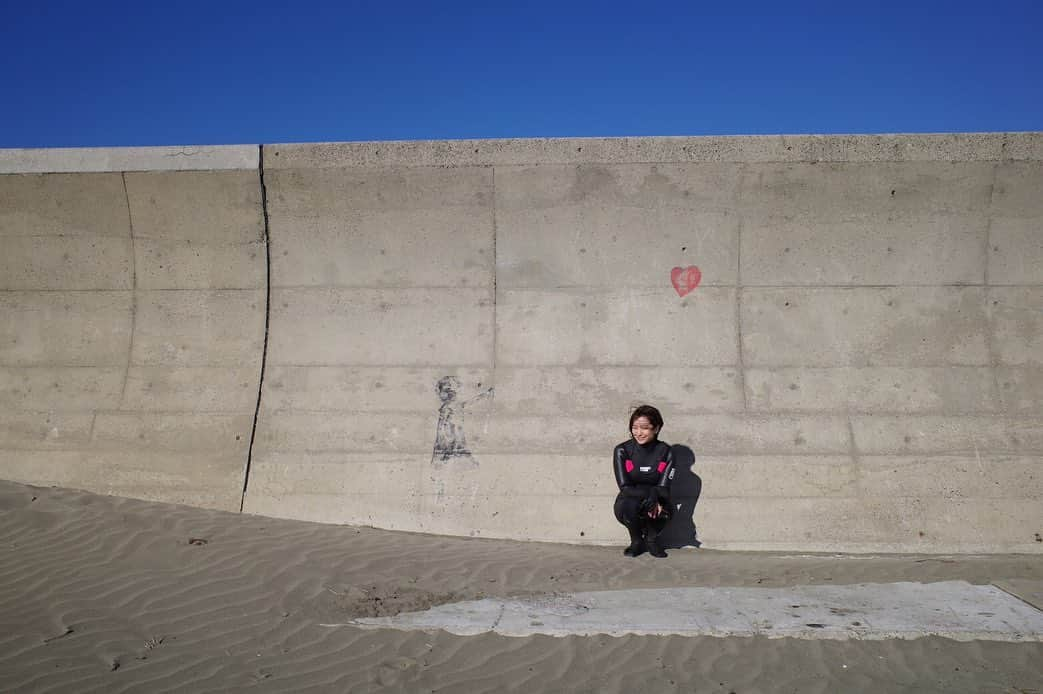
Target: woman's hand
655	511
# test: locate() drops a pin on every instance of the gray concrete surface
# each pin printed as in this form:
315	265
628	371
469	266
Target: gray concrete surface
869	611
132	312
859	368
83	159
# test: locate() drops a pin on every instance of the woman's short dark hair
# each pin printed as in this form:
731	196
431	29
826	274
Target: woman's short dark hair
654	418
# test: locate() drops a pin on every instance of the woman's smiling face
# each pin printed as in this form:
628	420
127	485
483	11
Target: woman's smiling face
642	430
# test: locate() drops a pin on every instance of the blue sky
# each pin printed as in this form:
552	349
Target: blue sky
141	73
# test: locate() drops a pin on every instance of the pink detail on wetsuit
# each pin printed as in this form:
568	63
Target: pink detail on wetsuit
662	466
630	466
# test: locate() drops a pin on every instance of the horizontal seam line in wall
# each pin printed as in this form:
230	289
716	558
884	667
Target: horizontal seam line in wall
758	416
432	412
135	365
111	411
87	236
208	457
744	285
880	412
602	450
518	366
953	285
139	411
595	415
592	288
139	290
702	456
439	367
372	287
371	365
489	367
201	243
702	459
611	493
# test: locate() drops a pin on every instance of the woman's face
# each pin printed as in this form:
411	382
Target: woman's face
642	430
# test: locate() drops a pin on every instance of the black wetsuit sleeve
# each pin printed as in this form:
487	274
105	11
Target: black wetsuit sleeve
626	487
666	477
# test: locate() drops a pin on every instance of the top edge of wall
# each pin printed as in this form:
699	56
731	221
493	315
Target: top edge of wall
106	159
519	152
738	149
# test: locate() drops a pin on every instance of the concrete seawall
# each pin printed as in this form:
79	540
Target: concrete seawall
448	336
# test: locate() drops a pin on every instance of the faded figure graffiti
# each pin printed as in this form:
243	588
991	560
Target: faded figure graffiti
450	441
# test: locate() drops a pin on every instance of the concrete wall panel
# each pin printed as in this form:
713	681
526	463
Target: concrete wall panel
615	327
173	432
91	206
207	482
87	352
881	249
342	388
181	327
1016	251
904	435
949	477
760	434
852	190
27	430
1017	186
221	389
1016	324
785	476
613	391
345	432
60	388
931	326
389	228
339	487
84	263
415	327
65	328
615	227
1020	389
978	525
1016	233
186	265
859	523
207	207
951	389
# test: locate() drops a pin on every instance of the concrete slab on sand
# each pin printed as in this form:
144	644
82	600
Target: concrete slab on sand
868	611
1028	590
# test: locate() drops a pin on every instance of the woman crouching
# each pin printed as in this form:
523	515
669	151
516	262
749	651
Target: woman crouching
644	468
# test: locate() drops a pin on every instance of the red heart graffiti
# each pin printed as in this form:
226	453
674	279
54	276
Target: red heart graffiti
685	279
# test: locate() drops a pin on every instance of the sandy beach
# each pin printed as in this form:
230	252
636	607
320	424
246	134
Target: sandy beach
105	594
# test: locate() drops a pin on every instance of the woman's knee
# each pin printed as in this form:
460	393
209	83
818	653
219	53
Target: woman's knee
627	510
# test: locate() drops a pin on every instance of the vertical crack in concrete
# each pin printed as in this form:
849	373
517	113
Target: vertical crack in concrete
133	295
267	319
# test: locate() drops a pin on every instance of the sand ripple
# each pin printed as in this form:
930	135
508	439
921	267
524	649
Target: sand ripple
101	594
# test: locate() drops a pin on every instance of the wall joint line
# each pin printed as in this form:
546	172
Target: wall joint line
267	320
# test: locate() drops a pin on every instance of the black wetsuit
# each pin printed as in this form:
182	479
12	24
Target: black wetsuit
644	474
